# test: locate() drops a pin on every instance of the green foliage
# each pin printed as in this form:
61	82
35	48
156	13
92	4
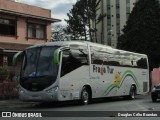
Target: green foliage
3	74
80	17
141	33
76	25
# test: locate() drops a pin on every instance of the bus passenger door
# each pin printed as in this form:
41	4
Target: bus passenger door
74	71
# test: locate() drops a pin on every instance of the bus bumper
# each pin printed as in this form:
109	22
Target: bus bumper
42	96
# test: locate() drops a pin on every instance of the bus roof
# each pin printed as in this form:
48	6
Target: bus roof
68	43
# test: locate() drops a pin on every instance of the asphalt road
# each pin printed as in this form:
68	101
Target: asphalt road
113	107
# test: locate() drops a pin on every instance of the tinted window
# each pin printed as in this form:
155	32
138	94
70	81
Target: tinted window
127	59
45	63
105	56
141	62
74	58
113	57
80	53
39	62
133	60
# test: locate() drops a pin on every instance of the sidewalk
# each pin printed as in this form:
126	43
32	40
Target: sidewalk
14	103
8	90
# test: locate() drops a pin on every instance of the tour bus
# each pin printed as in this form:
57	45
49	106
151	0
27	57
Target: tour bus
79	70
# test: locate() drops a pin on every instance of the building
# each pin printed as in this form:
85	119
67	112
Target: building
117	12
21	26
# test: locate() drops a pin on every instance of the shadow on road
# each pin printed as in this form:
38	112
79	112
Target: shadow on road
75	103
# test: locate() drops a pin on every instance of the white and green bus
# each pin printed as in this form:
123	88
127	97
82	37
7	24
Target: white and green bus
72	70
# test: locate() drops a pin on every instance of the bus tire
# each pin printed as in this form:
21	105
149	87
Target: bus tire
132	93
85	96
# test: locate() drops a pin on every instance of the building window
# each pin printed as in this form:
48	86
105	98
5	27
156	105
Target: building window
108	2
118	34
109	27
36	31
108	17
7	27
109	41
127	15
118	15
108	7
117	4
109	22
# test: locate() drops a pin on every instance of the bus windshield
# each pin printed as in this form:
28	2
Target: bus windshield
38	68
38	62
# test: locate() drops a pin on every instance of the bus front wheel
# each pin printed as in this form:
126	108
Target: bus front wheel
85	96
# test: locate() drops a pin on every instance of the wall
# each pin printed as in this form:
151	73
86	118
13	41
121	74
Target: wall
155	76
21	33
20	38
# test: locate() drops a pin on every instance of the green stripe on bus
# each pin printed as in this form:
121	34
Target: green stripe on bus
126	74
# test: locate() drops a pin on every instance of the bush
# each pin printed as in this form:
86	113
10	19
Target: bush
4	73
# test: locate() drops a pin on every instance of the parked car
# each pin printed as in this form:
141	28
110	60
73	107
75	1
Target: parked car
155	93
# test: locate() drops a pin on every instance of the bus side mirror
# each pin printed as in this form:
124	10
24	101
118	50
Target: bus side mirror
57	54
15	57
56	57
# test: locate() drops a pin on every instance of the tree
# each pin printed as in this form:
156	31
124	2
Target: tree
76	24
58	33
81	17
141	33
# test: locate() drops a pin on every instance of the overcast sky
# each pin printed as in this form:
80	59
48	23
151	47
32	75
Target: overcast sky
59	8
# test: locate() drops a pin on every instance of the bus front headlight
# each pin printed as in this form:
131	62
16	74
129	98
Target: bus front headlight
51	90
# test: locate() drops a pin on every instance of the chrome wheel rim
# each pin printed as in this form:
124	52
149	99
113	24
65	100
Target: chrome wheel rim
85	96
133	94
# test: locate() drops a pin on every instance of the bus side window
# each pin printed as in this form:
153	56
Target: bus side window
69	63
104	56
97	56
73	59
142	63
80	53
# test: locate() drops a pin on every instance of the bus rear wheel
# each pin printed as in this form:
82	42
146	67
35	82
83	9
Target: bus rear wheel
132	93
85	96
